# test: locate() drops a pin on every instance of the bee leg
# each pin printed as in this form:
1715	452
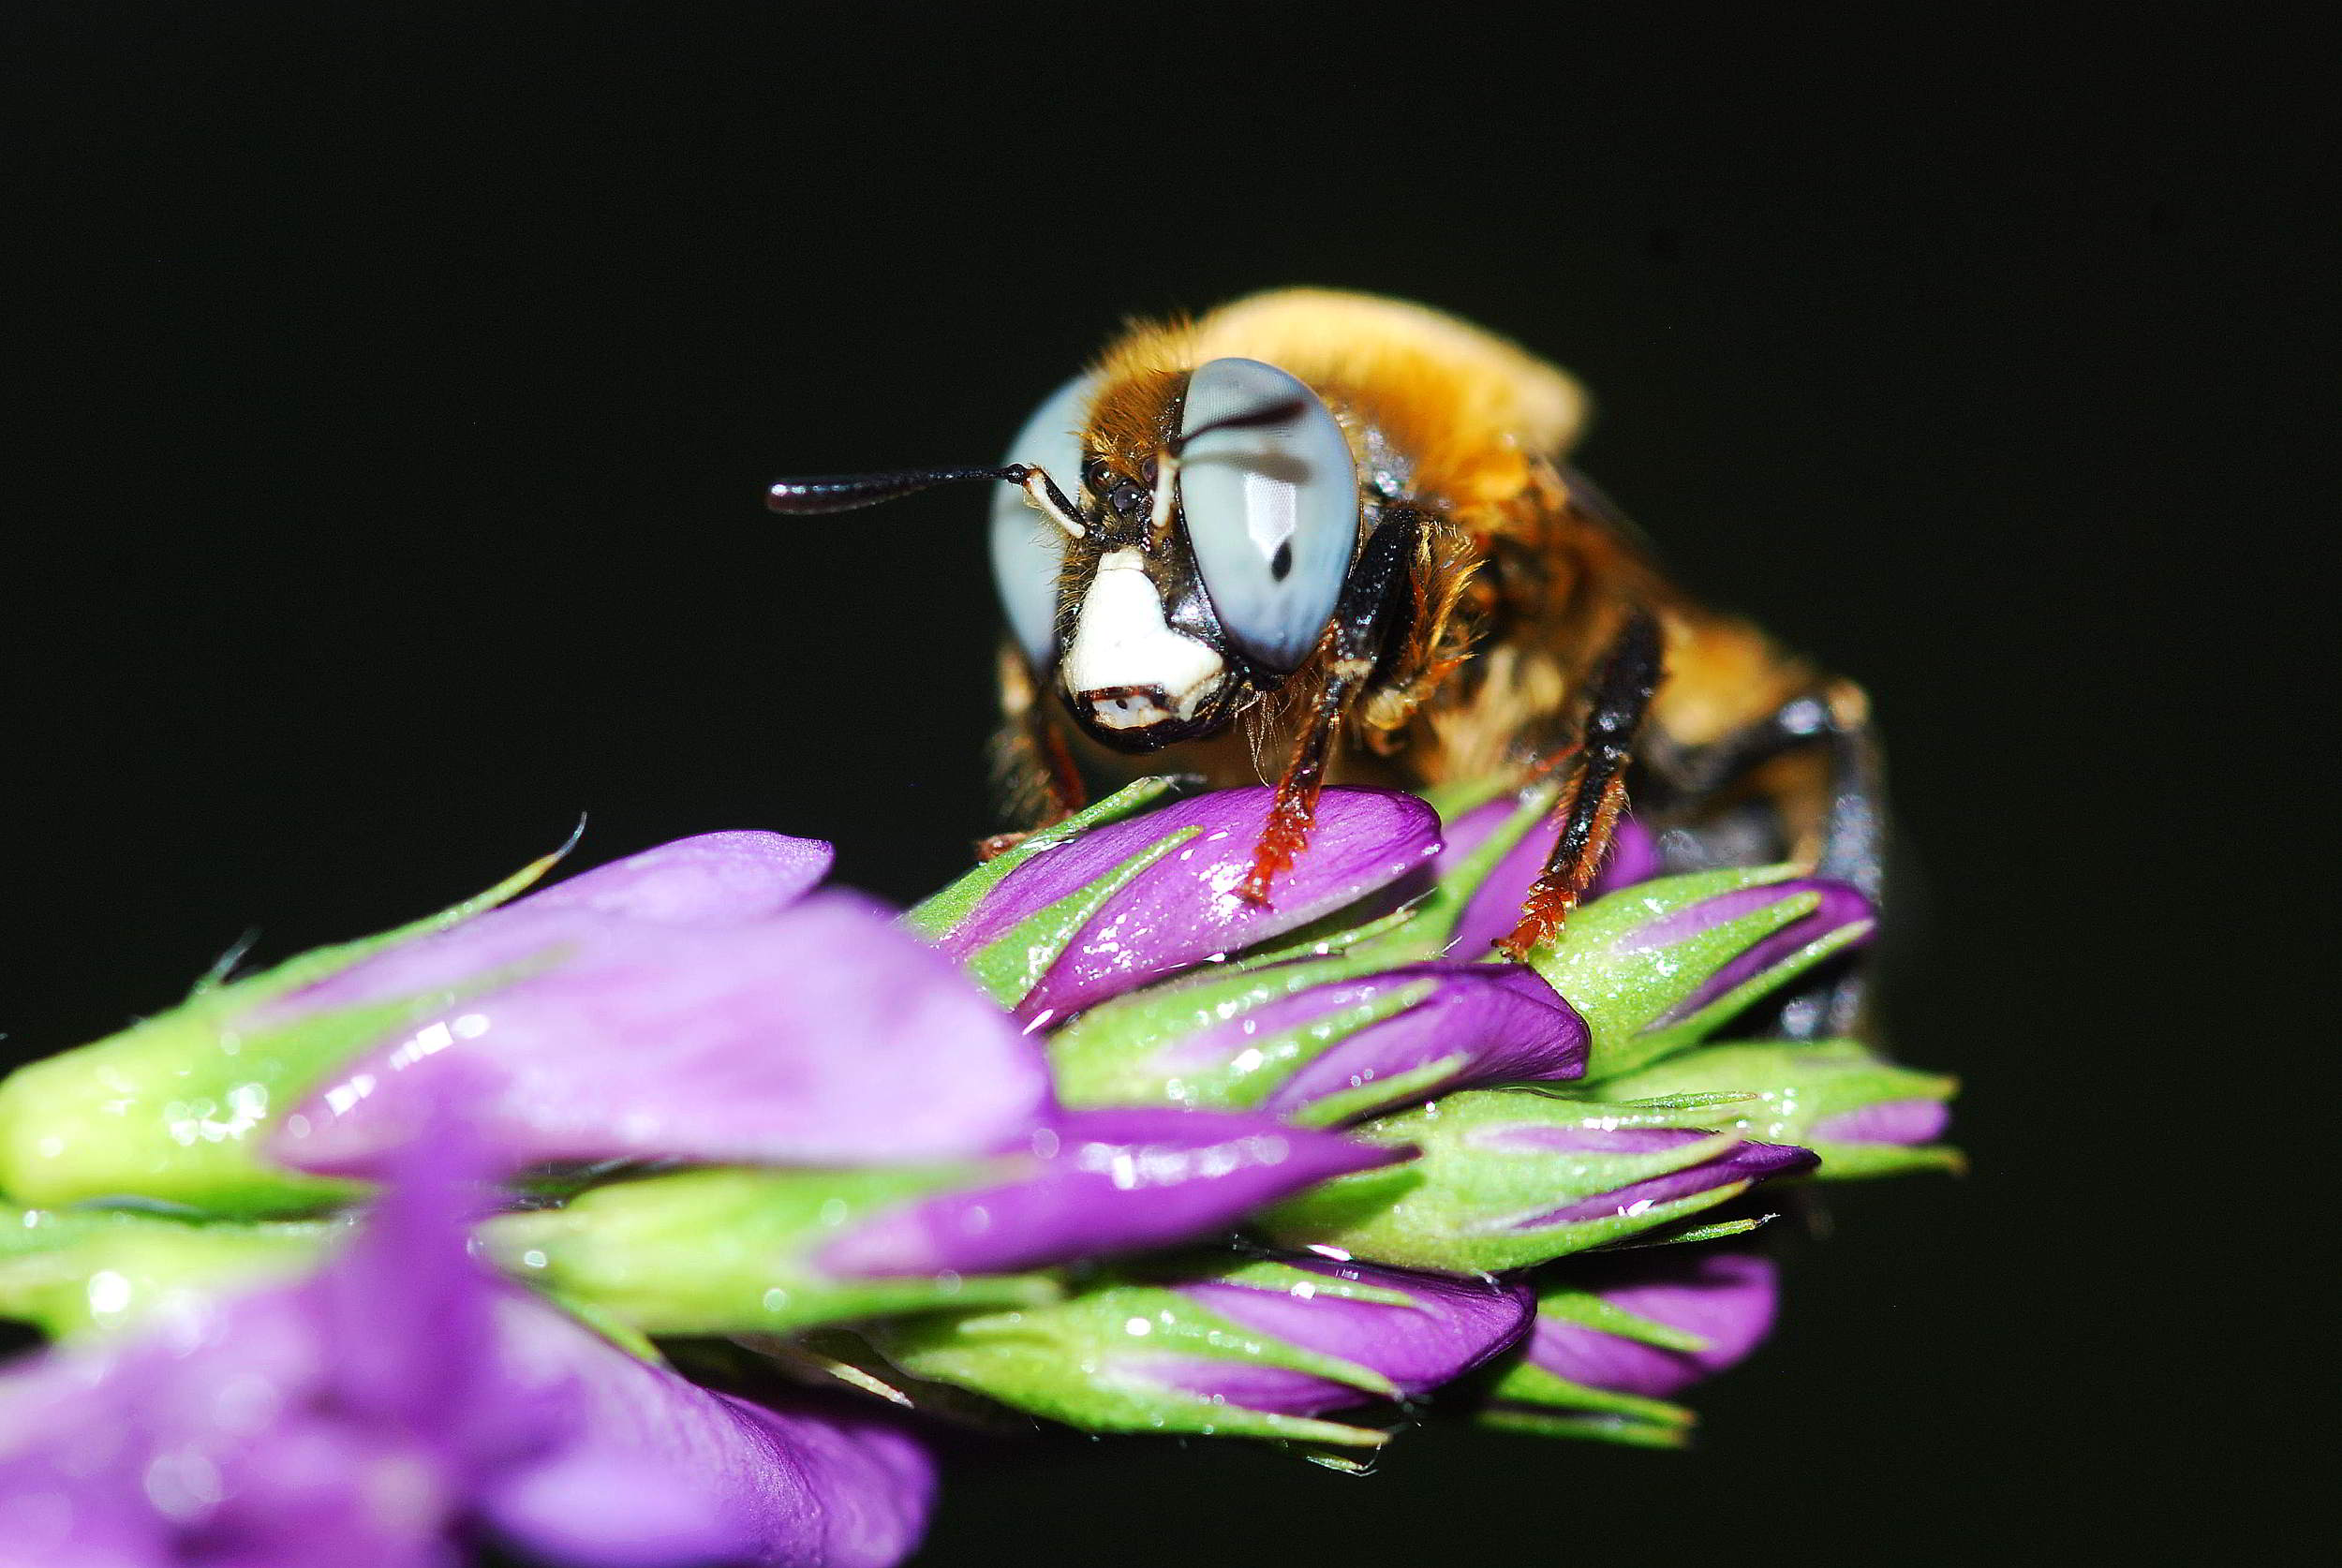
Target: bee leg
1032	765
1832	719
1838	794
1353	646
1595	796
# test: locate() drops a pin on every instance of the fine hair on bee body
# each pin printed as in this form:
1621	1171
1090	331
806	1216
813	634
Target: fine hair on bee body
1315	537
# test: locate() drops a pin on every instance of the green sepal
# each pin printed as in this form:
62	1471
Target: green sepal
1692	1234
607	1323
1464	1203
173	1108
1438	912
1593	1310
1527	1398
1008	968
1340	1459
1333	1109
1326	937
936	915
315	965
1456	797
1125	1051
1605	1417
77	1272
733	1251
1789	1089
1623	991
1067	1361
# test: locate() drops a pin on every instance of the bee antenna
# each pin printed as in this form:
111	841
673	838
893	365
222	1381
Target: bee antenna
1251	419
811	497
1168	465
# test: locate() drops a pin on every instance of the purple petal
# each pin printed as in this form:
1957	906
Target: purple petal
715	1477
260	1430
1250	1385
1726	1299
1889	1121
497	948
1745	1162
410	1264
715	878
85	1427
718	879
1506	1024
1184	909
1841	905
1532	1138
1452	1325
1495	905
824	1035
1106	1181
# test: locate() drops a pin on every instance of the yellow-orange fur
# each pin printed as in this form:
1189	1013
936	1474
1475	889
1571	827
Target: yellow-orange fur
1517	590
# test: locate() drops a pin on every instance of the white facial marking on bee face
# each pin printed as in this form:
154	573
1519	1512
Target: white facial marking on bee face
1125	664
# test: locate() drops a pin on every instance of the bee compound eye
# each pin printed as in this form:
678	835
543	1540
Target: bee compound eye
1272	510
1027	548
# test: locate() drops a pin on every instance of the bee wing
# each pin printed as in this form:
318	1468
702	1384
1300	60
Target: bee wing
1591	502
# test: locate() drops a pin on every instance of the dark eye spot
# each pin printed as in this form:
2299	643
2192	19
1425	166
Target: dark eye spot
1281	564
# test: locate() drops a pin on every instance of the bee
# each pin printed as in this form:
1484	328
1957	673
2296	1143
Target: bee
1328	536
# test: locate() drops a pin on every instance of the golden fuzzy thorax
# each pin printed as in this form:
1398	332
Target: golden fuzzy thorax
1469	409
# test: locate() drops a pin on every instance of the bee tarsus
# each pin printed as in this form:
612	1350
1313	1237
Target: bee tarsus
1370	612
1595	798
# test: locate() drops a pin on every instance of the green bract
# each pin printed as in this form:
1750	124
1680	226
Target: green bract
1115	1053
1564	1408
172	1108
1084	1359
734	1251
1481	1195
1012	964
939	913
1793	1093
1625	988
71	1272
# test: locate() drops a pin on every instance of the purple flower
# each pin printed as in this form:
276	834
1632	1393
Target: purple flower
1317	1042
1719	1304
714	877
1101	1182
1901	1123
686	1004
669	1007
401	1397
1735	1166
736	1249
1616	1335
1478	1023
1836	907
1418	1332
1068	934
1511	1179
1494	906
1659	965
1862	1114
1259	1348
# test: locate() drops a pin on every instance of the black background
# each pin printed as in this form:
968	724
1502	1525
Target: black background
396	391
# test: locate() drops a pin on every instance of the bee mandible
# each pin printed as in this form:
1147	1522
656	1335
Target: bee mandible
1336	537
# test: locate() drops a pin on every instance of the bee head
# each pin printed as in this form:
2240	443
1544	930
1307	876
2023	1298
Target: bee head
1166	586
